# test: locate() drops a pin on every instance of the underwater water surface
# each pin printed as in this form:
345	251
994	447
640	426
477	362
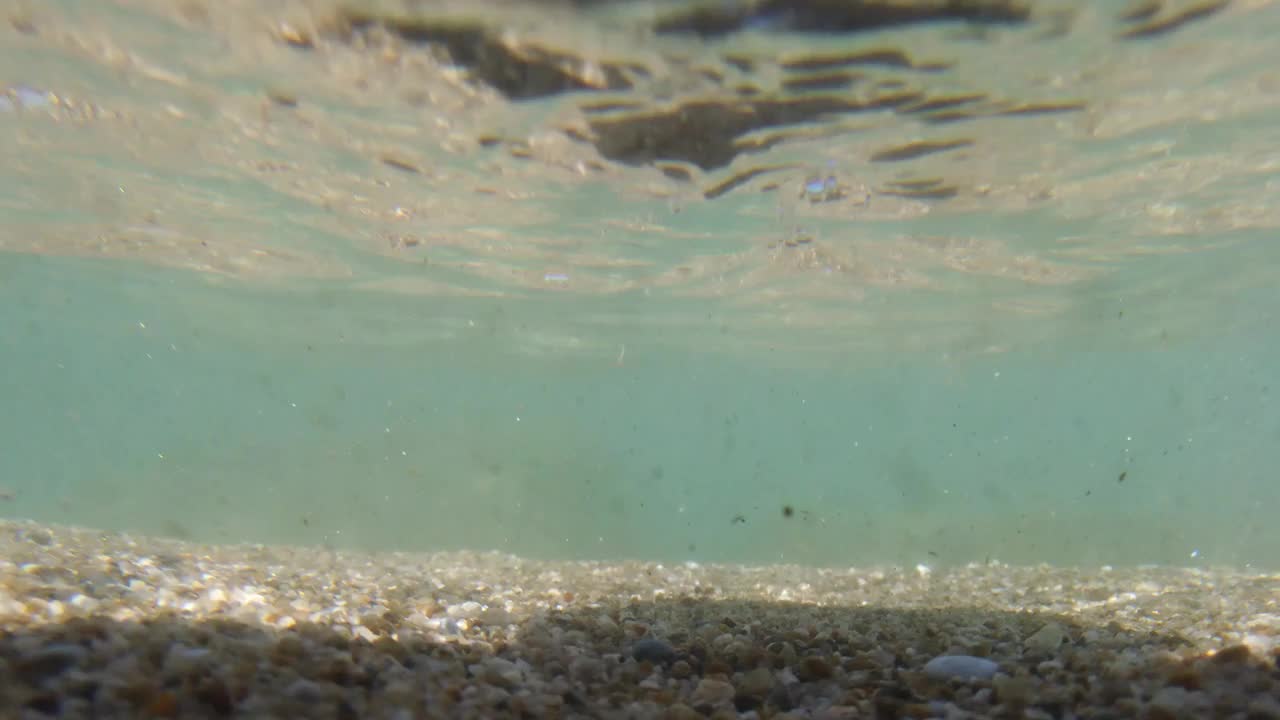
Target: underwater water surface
936	294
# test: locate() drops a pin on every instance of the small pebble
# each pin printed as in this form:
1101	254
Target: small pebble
467	610
502	672
756	684
184	660
712	692
945	667
586	669
1046	640
304	690
680	711
496	616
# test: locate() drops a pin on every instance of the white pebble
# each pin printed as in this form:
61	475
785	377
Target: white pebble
468	609
213	599
945	667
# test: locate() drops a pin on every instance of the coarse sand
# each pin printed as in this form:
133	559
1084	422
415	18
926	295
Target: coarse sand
109	625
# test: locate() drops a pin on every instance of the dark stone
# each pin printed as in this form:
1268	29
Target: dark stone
654	651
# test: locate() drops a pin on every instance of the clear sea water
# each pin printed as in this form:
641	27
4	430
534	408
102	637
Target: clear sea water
232	318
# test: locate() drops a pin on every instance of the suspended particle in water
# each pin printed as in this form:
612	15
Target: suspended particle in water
788	511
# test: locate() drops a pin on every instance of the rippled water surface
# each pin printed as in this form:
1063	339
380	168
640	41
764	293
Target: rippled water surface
638	280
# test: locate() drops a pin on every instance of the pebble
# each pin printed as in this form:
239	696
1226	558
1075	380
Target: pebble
50	660
304	690
654	651
1176	702
496	616
500	672
586	669
184	660
465	611
757	683
680	711
1046	640
945	667
195	635
712	692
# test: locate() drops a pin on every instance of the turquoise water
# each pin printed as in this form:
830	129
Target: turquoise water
1070	362
146	405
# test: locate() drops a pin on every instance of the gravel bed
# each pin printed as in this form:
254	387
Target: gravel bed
107	625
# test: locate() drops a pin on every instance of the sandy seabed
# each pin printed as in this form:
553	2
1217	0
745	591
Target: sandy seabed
109	625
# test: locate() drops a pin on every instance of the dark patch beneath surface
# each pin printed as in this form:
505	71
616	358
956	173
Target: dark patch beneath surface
1140	10
926	189
675	171
820	81
684	115
826	16
1040	108
741	178
887	58
1152	23
702	132
520	71
914	150
948	102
